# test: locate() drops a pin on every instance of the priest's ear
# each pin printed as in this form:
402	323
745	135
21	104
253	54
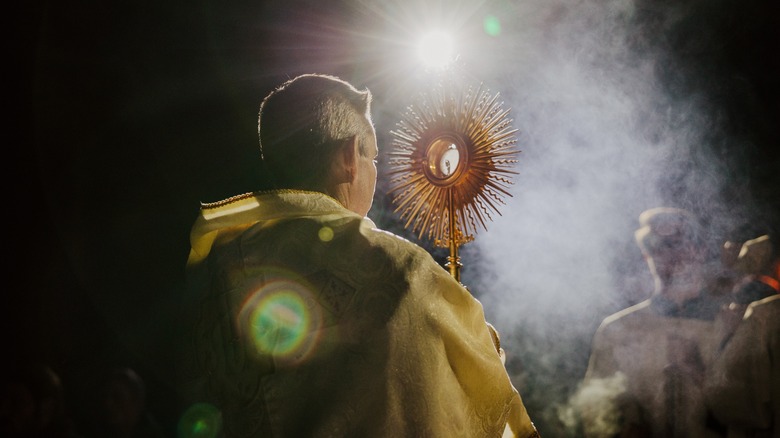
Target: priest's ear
344	166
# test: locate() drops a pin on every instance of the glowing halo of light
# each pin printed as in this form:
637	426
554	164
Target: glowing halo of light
279	322
436	49
200	420
474	122
281	319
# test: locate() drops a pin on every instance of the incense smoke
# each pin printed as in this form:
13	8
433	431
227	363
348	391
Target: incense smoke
612	121
620	106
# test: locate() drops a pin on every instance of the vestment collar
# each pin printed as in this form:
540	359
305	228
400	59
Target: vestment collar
250	208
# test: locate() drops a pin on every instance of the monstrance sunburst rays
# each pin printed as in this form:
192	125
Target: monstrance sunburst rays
449	164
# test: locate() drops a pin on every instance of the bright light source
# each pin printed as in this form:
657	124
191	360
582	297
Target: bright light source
436	49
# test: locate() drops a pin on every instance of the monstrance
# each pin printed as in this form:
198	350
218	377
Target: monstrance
450	164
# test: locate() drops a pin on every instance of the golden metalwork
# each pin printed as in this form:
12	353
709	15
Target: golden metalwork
452	152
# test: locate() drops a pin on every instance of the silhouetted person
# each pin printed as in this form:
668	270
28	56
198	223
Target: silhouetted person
120	409
652	356
743	385
757	262
32	404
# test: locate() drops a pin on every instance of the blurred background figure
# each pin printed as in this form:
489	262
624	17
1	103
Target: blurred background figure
756	264
759	263
648	361
743	385
32	404
120	409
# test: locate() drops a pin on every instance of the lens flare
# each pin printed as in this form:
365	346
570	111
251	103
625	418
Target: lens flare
326	234
279	323
201	420
491	25
282	320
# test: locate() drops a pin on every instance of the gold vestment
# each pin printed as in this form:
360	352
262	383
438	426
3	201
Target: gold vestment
310	321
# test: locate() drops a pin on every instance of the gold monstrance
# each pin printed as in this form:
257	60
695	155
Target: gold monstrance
449	164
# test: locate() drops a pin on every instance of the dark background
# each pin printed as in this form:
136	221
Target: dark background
123	116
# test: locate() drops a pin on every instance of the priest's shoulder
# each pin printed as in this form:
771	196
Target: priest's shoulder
398	245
